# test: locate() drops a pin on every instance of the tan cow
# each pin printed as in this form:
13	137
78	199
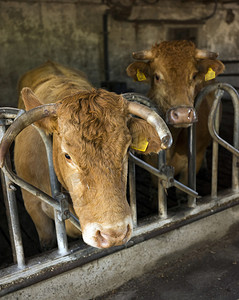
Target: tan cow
92	131
176	72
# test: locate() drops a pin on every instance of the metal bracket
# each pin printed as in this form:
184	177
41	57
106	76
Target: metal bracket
169	172
64	212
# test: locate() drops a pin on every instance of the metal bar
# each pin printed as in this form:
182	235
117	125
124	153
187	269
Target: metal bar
12	216
159	174
61	236
215	148
55	191
132	192
18	126
192	163
215	135
211	121
185	189
162	200
147	167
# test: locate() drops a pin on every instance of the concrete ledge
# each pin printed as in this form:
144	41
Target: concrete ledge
107	273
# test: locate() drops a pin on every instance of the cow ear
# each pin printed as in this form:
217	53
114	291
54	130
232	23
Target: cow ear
144	137
139	71
31	101
210	68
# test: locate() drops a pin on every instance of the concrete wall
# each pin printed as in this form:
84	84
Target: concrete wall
71	32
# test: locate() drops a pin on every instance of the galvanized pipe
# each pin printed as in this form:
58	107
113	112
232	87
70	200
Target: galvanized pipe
211	121
162	176
162	200
132	192
234	150
23	121
12	216
192	163
55	191
219	95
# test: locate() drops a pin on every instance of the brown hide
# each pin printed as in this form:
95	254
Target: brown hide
92	131
176	72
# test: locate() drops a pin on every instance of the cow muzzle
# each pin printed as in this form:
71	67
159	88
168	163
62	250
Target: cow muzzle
181	116
101	236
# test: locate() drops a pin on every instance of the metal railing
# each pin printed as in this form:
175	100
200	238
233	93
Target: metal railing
71	256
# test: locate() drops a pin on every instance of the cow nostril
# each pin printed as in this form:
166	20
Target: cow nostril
101	238
110	238
175	115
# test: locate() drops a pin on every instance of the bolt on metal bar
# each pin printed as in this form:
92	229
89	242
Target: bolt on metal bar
12	216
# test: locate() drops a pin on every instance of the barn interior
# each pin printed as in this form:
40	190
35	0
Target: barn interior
98	38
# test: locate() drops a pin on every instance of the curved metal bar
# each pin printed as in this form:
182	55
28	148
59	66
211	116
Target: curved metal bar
138	98
24	120
213	131
211	120
20	123
9	112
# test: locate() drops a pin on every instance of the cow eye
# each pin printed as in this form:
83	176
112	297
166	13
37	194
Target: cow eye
67	156
157	77
194	76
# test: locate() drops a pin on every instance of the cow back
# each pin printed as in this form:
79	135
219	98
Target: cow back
52	82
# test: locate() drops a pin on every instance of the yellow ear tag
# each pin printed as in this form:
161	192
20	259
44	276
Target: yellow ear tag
140	75
140	144
210	74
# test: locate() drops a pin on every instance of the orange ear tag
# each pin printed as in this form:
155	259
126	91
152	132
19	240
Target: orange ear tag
140	75
210	74
140	145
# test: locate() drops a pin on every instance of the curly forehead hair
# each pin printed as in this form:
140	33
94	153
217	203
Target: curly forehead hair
168	47
96	103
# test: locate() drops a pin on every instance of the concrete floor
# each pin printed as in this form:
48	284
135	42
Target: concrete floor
208	272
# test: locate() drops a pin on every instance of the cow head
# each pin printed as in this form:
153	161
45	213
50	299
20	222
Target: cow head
176	71
92	132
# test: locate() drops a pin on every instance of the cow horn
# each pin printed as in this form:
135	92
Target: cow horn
143	55
203	54
153	119
21	122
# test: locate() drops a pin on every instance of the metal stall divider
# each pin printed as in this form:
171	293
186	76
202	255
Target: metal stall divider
58	200
13	278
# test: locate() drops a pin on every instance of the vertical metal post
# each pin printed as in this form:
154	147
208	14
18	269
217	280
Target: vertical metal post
12	216
55	191
162	200
215	158
192	163
132	191
216	123
235	159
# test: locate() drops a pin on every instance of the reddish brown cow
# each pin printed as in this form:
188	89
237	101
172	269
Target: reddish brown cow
92	131
176	72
